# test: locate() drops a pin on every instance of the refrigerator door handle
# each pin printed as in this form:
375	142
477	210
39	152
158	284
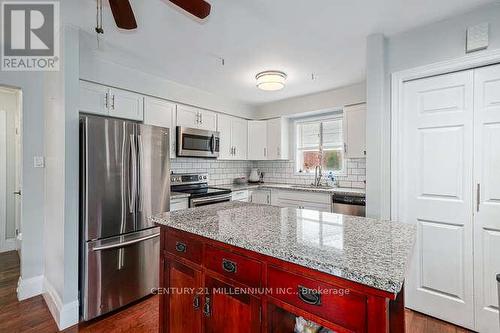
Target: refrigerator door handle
139	171
123	244
133	188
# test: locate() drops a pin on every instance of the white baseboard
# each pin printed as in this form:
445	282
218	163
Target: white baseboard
27	288
10	244
65	315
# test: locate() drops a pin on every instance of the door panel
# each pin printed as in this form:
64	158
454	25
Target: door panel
208	120
184	308
257	140
437	182
125	104
108	148
161	113
187	116
487	204
239	138
119	270
153	173
224	128
229	311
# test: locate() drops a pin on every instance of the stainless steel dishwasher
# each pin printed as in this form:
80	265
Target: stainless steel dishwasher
349	204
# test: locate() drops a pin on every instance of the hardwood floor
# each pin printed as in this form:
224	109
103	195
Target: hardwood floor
32	315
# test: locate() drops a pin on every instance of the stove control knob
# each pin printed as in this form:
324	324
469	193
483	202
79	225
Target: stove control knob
200	177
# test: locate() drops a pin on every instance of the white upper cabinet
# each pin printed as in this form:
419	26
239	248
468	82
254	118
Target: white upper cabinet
161	113
355	130
102	100
188	116
94	98
125	104
277	139
257	140
233	137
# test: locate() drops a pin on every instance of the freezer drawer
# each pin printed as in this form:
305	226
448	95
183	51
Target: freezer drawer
119	270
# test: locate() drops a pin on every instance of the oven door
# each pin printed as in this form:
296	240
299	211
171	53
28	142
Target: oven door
192	142
210	200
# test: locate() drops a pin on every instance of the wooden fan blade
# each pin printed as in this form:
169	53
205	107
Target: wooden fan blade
123	14
198	8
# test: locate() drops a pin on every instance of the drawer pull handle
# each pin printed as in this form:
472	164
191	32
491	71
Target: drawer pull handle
228	266
309	296
180	247
206	307
196	302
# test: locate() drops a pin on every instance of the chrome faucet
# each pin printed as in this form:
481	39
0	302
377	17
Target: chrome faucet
317	175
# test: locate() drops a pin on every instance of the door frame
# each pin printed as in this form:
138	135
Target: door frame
398	79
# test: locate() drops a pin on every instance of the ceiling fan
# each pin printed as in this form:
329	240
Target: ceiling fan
125	19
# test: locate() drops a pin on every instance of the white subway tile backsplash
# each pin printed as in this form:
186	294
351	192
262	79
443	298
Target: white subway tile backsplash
223	172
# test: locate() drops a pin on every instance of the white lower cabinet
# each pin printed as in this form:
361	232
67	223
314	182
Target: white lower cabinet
261	197
179	204
449	181
303	200
242	195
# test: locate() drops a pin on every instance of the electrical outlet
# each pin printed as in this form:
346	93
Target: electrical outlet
38	162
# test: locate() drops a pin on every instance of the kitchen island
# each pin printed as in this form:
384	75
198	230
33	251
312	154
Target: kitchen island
241	267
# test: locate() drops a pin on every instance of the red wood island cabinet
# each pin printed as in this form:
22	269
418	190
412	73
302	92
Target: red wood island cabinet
212	287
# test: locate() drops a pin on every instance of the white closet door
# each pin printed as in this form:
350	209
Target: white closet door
487	205
437	188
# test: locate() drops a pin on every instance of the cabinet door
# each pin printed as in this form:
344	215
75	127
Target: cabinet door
229	311
93	98
261	197
274	139
183	305
208	120
355	130
187	116
224	128
161	113
126	105
239	138
257	140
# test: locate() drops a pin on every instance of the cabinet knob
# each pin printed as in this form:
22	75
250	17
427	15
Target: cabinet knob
180	247
229	266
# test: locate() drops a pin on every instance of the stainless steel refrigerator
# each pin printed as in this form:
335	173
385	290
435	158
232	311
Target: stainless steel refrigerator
124	179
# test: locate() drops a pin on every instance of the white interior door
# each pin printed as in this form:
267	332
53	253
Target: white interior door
3	178
437	183
487	208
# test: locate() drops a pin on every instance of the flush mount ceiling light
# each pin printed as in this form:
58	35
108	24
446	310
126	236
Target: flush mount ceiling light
271	80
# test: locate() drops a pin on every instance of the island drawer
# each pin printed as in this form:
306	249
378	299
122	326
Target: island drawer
333	303
244	270
182	245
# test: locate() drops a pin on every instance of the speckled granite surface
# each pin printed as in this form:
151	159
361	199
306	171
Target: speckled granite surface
372	252
290	187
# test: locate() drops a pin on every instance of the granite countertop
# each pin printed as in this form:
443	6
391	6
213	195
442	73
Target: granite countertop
369	251
178	195
295	187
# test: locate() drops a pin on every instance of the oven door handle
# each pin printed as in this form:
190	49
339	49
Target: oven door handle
212	198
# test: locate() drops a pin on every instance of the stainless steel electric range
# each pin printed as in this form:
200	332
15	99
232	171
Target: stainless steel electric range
196	184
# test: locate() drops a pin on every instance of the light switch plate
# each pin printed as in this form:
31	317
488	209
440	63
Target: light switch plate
477	37
38	162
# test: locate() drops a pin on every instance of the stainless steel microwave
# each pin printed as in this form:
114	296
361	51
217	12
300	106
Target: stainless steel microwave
193	142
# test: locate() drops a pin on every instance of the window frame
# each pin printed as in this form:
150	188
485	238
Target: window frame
321	120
